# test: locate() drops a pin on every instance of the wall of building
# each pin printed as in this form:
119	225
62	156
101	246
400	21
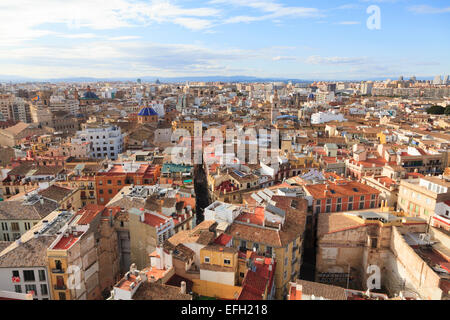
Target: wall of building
413	269
216	290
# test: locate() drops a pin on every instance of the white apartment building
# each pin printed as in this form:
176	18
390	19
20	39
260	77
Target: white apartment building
106	140
60	103
14	108
324	117
222	212
325	96
23	264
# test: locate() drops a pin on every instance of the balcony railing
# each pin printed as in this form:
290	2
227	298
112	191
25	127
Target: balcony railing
59	287
57	270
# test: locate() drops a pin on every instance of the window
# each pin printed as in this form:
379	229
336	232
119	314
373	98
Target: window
350	199
119	182
15	226
4	226
41	275
58	265
243	244
373	197
100	191
338	208
241	274
15	273
18	288
28	275
100	182
339	200
30	287
350	207
285	261
227	262
109	191
6	236
269	250
44	289
207	260
318	202
374	242
27	225
256	246
109	182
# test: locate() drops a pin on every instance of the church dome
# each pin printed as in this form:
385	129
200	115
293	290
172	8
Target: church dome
147	111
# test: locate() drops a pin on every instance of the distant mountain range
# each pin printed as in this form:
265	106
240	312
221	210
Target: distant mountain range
18	79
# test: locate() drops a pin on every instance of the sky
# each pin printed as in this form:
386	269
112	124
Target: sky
301	39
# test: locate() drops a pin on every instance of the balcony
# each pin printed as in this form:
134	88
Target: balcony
57	270
60	287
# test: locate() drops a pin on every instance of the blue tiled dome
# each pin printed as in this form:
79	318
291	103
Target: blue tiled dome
147	111
90	95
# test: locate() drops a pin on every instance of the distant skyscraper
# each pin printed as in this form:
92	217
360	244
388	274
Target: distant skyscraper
413	79
437	80
400	78
366	88
446	79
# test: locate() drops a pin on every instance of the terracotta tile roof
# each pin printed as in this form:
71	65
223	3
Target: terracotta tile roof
89	212
55	193
321	290
201	234
157	291
293	227
335	222
4	244
17	210
340	190
32	253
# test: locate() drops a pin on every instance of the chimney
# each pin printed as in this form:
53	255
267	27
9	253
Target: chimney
41	200
183	287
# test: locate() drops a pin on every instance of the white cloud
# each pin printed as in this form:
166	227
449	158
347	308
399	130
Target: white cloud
349	22
318	60
22	20
425	9
270	10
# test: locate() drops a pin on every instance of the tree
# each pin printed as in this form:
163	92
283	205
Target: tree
436	110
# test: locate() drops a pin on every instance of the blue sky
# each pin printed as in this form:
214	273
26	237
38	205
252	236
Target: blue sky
303	39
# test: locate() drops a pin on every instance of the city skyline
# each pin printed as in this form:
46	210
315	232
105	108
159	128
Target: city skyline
258	38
